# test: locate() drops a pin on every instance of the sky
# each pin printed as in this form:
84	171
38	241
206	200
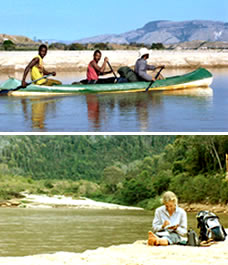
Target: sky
76	19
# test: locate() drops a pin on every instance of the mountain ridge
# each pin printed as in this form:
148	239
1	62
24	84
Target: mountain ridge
167	32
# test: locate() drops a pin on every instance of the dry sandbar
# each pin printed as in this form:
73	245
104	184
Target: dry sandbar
45	201
11	61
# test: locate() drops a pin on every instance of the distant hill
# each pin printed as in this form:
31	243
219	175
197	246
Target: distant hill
16	39
198	45
168	32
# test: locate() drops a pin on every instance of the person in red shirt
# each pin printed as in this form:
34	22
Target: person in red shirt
94	70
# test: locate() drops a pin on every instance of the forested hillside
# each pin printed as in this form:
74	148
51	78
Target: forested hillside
76	157
131	170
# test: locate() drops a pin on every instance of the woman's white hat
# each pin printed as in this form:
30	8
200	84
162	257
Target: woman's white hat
143	51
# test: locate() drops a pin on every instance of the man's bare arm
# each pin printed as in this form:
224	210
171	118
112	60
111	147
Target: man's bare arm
27	69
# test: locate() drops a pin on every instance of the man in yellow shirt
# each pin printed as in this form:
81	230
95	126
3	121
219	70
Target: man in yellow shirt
37	70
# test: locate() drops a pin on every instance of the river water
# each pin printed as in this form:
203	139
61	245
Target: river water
195	110
37	231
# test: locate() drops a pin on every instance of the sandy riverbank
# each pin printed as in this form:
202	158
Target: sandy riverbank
78	60
137	253
44	201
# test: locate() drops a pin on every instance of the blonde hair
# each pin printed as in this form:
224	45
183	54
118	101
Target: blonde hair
169	196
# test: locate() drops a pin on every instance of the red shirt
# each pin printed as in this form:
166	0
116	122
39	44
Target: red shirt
92	74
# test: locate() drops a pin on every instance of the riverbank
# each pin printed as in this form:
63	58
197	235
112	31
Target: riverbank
131	254
12	61
45	201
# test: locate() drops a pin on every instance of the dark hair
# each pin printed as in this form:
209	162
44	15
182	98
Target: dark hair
42	46
97	51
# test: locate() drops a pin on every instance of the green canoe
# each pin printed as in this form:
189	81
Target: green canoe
198	78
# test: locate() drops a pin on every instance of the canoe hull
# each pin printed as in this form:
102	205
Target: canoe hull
198	78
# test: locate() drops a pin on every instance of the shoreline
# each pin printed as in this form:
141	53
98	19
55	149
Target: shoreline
16	61
57	201
132	254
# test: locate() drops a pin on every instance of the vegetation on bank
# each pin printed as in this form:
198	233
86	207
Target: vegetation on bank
9	45
131	170
104	46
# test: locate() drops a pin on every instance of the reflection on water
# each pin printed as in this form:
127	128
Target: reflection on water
101	109
99	106
199	109
93	110
39	110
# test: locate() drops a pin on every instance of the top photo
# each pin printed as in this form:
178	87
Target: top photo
118	66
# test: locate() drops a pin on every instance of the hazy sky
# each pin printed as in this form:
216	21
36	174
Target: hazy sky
75	19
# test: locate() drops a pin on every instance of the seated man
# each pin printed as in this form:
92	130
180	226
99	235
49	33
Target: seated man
37	70
94	70
141	67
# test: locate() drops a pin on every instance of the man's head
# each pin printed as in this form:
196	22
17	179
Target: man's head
97	55
42	50
144	53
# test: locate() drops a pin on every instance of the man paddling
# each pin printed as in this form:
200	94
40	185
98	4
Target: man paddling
94	70
141	67
37	70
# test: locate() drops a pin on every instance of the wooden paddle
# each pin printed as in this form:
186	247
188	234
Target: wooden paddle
112	69
157	75
6	91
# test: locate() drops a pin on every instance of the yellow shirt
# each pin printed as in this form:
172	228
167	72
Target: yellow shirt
37	71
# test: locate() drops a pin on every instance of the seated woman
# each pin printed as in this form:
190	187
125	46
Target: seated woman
94	70
169	224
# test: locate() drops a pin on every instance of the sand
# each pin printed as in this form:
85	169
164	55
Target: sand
12	61
137	253
44	201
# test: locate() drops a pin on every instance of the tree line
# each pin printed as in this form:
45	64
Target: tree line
9	45
132	170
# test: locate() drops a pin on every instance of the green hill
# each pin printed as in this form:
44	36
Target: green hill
132	170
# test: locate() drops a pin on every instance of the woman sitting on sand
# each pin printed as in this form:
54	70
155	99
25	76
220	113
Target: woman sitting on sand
170	222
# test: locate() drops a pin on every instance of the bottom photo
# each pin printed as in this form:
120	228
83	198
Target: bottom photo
113	199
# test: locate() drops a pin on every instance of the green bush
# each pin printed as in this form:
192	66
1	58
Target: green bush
224	191
135	191
151	204
75	46
162	181
157	46
8	45
101	46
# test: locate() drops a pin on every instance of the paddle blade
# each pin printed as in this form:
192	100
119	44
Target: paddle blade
6	91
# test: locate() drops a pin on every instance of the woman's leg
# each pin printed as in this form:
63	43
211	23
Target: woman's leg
153	240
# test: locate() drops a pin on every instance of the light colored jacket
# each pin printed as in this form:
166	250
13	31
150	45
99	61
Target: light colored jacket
179	217
141	67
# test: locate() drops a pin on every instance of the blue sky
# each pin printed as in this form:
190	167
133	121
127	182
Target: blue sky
76	19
